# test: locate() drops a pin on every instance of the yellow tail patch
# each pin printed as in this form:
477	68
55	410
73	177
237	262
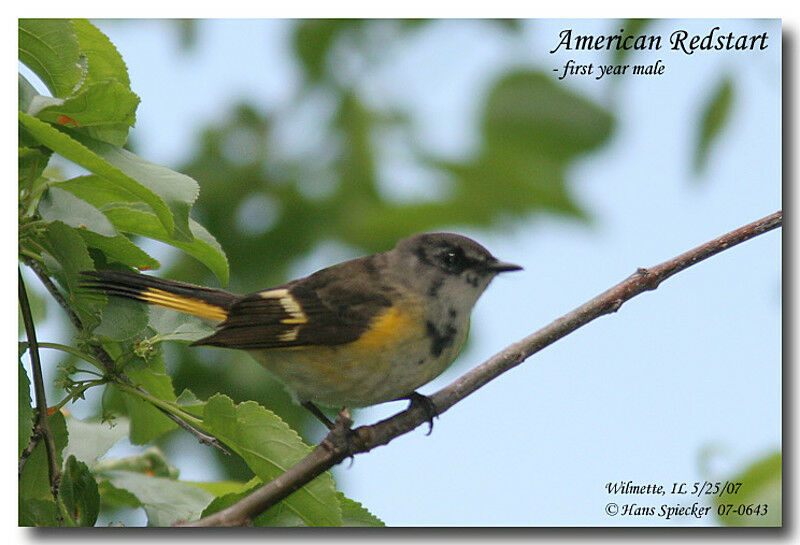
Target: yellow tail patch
187	305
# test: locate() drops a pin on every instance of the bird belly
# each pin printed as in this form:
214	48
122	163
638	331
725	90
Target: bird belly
389	362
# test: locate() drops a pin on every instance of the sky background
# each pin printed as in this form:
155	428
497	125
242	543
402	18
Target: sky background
639	395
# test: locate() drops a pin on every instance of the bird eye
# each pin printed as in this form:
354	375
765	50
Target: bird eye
453	260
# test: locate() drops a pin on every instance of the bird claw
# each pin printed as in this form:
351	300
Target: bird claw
427	406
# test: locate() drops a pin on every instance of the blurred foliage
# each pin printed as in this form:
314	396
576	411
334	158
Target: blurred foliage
632	27
714	116
759	500
187	33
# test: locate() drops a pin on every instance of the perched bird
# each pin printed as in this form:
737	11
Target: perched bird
362	332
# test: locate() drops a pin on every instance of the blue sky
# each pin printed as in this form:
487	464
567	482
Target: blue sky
637	395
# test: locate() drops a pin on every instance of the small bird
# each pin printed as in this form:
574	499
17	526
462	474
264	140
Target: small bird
363	332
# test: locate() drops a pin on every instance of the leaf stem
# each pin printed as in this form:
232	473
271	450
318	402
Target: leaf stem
28	253
78	393
183	419
75	352
166	406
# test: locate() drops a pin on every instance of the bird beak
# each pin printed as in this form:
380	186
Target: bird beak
502	266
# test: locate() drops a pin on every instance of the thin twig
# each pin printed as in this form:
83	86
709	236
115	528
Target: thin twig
42	421
203	437
342	442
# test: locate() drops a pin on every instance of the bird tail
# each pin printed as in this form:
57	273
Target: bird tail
187	298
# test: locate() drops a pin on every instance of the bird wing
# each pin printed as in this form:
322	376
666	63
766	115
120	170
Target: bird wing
331	307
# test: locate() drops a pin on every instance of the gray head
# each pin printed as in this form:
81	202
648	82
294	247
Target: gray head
449	265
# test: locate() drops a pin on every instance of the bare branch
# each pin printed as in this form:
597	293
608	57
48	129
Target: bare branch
342	442
42	421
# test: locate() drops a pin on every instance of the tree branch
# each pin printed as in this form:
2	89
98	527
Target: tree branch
42	421
342	442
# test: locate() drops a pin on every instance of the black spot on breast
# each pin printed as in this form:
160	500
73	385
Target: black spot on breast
452	313
421	362
440	340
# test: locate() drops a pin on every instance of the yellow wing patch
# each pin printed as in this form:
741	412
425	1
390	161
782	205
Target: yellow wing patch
186	305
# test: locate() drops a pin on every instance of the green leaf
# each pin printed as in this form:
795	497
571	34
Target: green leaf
761	484
532	113
123	320
222	488
91	439
26	93
104	61
32	162
177	190
151	462
37	512
24	410
78	153
714	117
270	447
190	403
116	498
104	104
78	491
165	501
49	47
40	102
204	247
34	482
58	205
121	250
355	514
173	326
97	190
69	258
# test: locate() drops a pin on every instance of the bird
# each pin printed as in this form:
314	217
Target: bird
366	331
